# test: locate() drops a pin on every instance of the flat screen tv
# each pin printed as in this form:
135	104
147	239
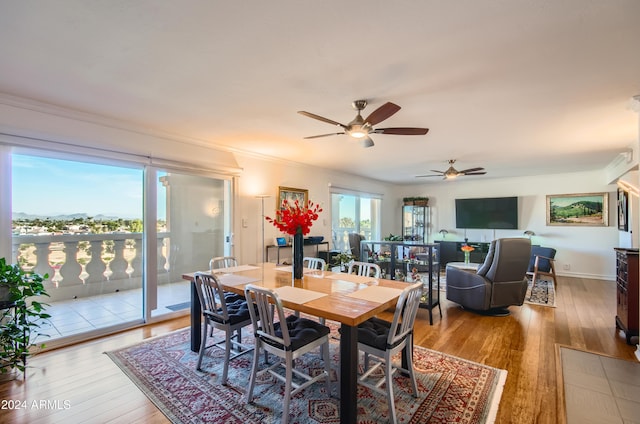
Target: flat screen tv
487	213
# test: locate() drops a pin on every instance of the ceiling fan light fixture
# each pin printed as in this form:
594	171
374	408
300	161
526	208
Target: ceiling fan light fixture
367	142
357	131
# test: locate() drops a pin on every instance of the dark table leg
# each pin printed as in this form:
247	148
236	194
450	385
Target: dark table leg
348	374
196	319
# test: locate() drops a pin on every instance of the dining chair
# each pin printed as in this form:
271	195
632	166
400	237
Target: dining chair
314	263
384	339
295	338
365	269
222	262
221	314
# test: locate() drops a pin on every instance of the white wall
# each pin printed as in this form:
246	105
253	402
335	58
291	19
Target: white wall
586	251
262	176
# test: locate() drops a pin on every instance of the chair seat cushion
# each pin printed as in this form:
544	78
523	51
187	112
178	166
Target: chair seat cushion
302	331
374	332
238	311
232	297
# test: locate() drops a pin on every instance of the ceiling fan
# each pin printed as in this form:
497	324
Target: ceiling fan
360	128
452	173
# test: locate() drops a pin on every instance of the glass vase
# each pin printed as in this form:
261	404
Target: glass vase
298	254
466	257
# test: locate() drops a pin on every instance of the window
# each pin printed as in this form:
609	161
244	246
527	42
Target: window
354	213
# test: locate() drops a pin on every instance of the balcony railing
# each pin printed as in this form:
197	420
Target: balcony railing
81	265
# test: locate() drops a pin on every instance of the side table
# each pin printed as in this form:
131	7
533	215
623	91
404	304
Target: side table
469	267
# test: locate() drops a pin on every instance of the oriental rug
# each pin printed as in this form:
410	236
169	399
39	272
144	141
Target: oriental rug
541	293
450	389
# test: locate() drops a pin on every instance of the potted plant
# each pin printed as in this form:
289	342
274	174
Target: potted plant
416	201
343	259
21	315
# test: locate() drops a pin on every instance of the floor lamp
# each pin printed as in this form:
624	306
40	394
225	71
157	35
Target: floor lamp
264	253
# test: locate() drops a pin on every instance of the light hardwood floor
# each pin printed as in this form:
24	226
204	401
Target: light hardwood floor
523	343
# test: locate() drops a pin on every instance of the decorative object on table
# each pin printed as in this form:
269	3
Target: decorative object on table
21	315
360	128
585	209
392	237
467	252
465	391
296	218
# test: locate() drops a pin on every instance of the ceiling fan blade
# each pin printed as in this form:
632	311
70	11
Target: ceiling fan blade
475	173
402	131
382	113
321	118
323	135
422	176
439	172
464	171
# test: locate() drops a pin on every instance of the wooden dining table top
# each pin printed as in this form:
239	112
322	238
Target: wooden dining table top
346	298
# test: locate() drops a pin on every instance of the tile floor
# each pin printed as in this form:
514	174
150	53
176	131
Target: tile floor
600	389
76	316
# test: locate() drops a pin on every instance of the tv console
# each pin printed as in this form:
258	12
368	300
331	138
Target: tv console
450	251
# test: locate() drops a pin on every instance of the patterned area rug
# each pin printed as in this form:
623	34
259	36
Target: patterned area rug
541	293
450	389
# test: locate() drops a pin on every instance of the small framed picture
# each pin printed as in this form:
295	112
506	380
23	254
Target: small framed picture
623	210
292	194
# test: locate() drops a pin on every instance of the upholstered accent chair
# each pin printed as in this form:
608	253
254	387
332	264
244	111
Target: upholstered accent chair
542	263
354	244
499	282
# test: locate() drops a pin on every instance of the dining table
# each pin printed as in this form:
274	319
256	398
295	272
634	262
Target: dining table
345	298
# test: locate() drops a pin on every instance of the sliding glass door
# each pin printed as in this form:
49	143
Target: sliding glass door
114	238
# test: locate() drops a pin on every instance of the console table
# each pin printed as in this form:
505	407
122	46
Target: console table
288	246
450	251
399	259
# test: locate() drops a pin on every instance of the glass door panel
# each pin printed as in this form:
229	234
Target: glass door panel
191	229
80	223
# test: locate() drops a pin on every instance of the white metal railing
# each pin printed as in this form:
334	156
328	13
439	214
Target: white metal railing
80	265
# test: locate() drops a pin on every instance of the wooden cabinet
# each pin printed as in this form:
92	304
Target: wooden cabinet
627	292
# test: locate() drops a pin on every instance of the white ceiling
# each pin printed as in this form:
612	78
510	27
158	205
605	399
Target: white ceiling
520	87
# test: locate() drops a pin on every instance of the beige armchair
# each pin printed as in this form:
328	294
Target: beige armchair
499	282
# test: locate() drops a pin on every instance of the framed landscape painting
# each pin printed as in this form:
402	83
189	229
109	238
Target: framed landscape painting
292	194
584	209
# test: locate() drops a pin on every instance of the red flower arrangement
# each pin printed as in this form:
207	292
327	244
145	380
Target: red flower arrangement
467	248
293	217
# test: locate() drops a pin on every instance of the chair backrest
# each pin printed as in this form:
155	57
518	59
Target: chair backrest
222	262
365	268
314	263
268	307
405	314
507	260
211	296
544	264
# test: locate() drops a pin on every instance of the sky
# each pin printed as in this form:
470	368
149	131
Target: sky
50	187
